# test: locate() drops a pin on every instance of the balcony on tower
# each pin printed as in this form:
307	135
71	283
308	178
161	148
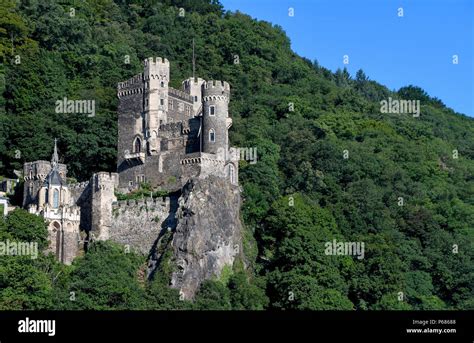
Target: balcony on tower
135	157
138	153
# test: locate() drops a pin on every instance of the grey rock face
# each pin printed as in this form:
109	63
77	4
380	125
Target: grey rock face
208	234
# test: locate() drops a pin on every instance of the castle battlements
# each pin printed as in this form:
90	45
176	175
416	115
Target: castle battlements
38	170
180	94
148	202
155	61
61	214
156	68
106	176
192	82
216	91
202	158
217	84
79	185
129	92
133	81
105	180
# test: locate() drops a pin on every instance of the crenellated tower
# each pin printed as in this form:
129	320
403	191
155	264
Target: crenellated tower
215	117
193	86
102	192
156	77
168	135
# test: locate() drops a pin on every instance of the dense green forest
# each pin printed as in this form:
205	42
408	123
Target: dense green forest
330	164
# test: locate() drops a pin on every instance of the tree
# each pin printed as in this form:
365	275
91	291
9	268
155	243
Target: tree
213	295
27	227
245	295
23	285
105	279
300	268
361	77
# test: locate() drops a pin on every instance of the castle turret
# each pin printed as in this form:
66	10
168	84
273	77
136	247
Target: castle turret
215	117
48	195
102	188
193	86
35	174
156	77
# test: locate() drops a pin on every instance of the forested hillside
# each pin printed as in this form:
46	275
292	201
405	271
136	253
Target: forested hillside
330	164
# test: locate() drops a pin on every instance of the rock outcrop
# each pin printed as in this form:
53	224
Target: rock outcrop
208	234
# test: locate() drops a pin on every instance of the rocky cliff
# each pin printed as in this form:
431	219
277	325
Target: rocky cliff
208	234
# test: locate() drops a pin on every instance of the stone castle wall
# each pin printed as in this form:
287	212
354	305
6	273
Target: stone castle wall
102	187
80	194
138	223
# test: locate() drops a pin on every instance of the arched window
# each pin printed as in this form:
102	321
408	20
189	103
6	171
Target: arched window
55	198
137	146
148	149
212	135
162	84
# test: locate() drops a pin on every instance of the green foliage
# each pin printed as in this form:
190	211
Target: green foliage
27	227
104	279
213	295
247	294
300	273
226	274
161	296
23	285
142	193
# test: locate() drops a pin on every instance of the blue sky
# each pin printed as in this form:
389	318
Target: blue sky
395	51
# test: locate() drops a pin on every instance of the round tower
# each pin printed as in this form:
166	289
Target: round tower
215	116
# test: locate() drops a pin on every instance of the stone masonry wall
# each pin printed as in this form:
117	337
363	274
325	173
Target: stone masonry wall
138	223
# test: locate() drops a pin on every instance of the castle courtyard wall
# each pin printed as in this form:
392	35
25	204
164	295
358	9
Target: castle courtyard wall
137	223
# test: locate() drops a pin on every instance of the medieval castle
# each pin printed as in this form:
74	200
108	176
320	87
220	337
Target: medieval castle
165	137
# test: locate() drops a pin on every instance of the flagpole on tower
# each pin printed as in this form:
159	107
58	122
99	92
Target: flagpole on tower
194	64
